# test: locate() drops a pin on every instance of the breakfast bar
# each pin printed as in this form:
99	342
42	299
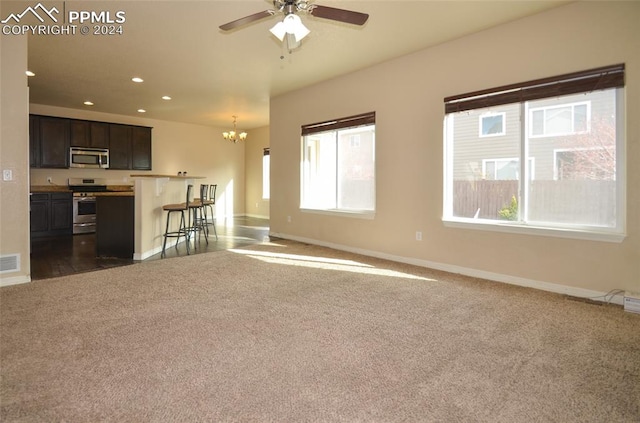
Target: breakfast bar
152	191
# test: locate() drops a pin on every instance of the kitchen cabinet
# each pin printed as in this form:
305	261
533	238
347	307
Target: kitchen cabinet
84	133
50	138
119	146
99	135
129	147
39	213
34	141
51	214
141	148
53	134
79	133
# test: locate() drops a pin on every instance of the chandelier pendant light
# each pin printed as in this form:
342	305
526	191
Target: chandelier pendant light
233	135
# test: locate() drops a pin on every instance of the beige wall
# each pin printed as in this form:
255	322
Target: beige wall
198	150
257	141
14	154
407	96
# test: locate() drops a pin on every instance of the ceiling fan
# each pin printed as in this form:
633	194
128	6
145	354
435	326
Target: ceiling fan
291	26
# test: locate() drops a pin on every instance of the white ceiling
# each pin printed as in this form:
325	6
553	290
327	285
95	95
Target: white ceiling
177	48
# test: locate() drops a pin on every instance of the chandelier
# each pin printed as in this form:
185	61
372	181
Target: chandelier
233	135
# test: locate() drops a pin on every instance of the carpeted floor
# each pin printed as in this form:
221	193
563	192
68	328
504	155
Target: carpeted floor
288	332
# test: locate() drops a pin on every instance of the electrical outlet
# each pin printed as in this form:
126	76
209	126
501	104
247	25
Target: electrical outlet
49	179
7	175
418	236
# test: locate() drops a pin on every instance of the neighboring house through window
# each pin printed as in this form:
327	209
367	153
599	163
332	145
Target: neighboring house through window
491	124
585	163
505	169
573	143
563	119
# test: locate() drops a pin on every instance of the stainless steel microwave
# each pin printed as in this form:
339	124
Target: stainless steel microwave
89	158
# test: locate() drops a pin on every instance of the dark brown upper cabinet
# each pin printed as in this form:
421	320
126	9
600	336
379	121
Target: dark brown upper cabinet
54	142
80	133
99	135
34	141
50	138
90	134
119	146
141	148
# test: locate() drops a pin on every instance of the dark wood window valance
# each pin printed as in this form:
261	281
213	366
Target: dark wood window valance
341	123
571	83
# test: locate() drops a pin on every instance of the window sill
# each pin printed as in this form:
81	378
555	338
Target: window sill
488	225
343	213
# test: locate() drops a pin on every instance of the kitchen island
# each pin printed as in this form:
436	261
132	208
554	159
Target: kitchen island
114	225
152	191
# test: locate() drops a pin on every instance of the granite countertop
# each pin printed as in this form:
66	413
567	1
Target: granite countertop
151	176
122	190
50	188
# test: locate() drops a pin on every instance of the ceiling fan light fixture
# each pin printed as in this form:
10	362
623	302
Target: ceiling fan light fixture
292	24
279	31
301	32
292	43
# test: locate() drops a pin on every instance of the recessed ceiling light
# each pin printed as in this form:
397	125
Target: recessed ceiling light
136	79
142	111
29	73
166	97
88	103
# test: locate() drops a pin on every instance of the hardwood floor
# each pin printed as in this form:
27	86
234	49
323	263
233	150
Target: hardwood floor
66	255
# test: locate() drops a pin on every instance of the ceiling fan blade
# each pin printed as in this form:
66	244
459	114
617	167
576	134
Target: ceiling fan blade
342	15
246	20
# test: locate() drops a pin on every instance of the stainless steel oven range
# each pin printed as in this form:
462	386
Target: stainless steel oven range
84	203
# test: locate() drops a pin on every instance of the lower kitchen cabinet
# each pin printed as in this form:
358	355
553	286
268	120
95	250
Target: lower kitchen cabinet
51	214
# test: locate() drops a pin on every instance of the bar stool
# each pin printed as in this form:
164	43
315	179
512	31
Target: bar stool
196	212
183	229
209	202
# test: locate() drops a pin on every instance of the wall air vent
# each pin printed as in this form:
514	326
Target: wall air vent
9	263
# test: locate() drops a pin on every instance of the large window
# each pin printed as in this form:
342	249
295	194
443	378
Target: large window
338	165
568	130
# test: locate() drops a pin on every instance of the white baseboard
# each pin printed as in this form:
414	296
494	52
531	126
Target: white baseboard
482	274
257	216
146	254
16	280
